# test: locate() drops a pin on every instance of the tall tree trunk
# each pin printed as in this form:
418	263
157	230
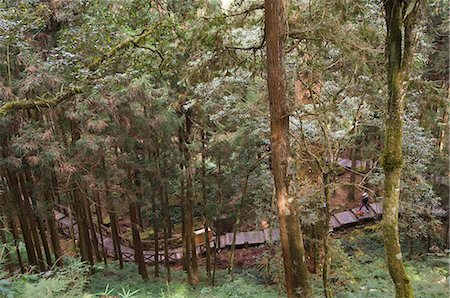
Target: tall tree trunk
205	207
13	186
71	227
166	202
99	215
137	244
30	217
115	235
166	219
219	210
185	243
296	272
156	227
3	229
15	235
92	231
190	235
326	237
51	222
114	222
398	67
84	240
237	223
30	192
44	240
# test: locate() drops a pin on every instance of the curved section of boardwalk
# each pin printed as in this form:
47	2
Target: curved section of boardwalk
340	220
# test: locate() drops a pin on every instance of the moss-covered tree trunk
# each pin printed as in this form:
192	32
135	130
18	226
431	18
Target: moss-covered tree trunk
400	30
296	272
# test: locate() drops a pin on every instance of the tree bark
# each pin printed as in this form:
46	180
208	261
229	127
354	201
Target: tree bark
84	240
326	237
98	213
296	272
156	226
166	216
115	235
218	230
92	231
3	229
137	244
195	277
237	223
205	207
398	66
30	218
51	222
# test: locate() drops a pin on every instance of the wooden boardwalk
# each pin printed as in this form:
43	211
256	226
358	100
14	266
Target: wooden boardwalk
340	220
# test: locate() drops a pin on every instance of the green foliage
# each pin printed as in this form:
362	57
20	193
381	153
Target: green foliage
113	281
359	269
65	282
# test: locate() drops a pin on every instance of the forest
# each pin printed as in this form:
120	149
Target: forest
224	148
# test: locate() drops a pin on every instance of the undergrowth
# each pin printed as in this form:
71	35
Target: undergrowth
358	271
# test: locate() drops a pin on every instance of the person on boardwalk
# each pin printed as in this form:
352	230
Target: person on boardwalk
365	202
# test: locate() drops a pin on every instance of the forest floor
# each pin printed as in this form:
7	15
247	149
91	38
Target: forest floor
358	271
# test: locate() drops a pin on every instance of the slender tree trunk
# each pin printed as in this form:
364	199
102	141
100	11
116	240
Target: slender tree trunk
326	238
3	238
114	222
166	254
44	240
115	235
84	240
71	227
156	227
351	195
98	213
51	222
166	230
23	220
30	217
218	231
166	202
30	192
15	234
398	67
237	223
185	243
139	216
190	235
137	244
92	231
205	207
296	272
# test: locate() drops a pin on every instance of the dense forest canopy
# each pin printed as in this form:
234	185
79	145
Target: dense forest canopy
166	132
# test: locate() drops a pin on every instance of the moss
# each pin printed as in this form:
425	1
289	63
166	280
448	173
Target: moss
391	162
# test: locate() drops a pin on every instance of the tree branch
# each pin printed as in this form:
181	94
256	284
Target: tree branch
62	96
